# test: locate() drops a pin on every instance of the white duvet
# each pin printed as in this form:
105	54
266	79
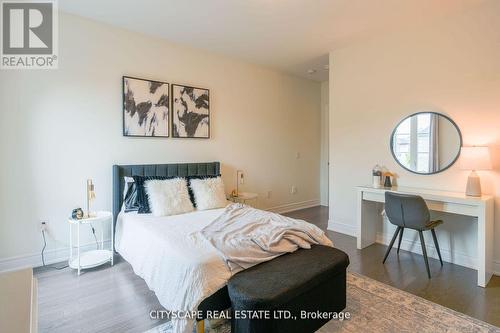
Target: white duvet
183	265
177	263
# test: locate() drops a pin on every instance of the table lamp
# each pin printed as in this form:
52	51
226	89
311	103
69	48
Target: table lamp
474	158
90	196
239	180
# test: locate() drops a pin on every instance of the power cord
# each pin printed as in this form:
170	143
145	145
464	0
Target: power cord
45	245
43	257
95	237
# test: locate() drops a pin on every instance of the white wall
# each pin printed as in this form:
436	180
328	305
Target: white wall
60	127
323	186
450	66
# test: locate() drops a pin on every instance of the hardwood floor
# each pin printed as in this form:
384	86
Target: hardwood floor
114	299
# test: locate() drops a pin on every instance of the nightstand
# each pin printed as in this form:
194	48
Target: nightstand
92	258
243	197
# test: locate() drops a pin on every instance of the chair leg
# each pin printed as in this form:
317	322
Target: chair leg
424	251
392	243
437	245
400	237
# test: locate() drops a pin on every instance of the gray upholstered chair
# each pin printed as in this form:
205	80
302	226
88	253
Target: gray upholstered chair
410	211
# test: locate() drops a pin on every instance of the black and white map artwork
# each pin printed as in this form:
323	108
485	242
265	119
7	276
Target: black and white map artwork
191	112
145	107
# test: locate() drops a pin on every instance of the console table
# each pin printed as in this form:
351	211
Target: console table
482	208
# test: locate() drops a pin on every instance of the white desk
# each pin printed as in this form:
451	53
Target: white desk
482	208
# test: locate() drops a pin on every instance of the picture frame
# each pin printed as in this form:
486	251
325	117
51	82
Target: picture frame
146	107
190	112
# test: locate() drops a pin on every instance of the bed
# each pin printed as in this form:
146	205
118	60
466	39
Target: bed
188	259
132	229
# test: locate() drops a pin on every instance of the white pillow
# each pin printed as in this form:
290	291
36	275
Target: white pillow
209	193
168	197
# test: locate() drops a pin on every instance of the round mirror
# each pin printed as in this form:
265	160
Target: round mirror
426	143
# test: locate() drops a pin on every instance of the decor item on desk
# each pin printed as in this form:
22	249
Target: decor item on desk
77	214
145	107
90	197
474	158
191	112
387	181
377	176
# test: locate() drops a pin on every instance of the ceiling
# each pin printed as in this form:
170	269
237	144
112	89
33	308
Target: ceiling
289	35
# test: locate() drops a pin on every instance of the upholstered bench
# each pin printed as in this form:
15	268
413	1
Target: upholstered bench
295	285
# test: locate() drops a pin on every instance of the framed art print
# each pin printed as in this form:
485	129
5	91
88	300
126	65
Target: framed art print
145	107
190	112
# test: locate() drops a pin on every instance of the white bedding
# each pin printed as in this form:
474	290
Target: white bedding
177	263
245	236
184	265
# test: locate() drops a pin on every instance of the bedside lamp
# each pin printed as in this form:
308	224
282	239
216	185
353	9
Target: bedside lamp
90	196
239	180
474	158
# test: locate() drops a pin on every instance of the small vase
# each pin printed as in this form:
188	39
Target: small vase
387	182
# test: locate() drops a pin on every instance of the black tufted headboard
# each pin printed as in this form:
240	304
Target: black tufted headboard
171	170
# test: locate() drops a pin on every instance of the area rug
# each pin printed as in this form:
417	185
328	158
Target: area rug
379	308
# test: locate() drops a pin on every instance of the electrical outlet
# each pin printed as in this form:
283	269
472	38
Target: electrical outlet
269	194
293	190
44	225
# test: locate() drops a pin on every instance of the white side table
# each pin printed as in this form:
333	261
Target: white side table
93	258
243	197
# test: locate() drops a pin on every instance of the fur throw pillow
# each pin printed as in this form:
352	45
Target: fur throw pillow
168	197
209	193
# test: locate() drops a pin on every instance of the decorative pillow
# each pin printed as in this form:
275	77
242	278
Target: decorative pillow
191	194
130	202
128	183
168	197
209	193
142	197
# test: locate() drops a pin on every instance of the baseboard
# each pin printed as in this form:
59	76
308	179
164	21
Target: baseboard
455	257
52	256
343	228
294	206
496	267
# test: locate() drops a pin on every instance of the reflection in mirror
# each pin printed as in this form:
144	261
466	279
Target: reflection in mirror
426	143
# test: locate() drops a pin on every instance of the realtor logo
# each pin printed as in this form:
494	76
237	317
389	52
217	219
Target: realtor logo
29	35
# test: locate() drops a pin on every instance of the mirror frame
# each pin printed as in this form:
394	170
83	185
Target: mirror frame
428	173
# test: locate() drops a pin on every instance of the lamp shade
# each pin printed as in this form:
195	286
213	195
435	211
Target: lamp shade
475	158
